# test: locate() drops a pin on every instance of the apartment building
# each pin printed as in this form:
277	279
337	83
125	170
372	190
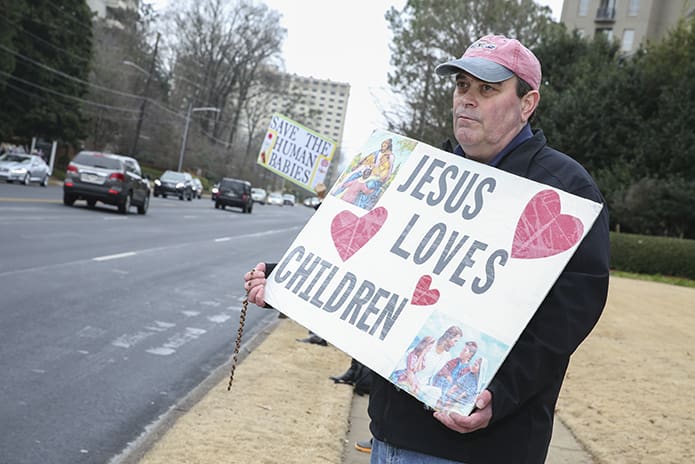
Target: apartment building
631	22
104	9
321	104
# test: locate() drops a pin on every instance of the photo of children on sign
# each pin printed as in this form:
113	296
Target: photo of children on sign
446	364
368	177
426	266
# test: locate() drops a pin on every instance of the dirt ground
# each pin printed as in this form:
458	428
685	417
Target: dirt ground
628	396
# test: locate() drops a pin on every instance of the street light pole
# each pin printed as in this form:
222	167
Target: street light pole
141	115
185	130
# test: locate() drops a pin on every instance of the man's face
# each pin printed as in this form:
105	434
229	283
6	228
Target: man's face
487	116
466	353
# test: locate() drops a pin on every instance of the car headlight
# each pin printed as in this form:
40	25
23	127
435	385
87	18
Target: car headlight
18	170
157	182
214	190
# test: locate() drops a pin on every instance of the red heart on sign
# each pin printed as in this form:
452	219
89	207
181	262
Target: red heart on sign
542	231
423	294
350	233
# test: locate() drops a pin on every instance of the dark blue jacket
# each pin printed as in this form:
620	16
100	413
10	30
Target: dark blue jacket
526	387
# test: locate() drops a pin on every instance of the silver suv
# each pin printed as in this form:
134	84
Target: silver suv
109	178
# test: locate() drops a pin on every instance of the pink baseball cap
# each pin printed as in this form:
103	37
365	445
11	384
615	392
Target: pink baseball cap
495	58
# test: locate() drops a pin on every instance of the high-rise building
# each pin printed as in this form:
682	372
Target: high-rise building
105	9
631	22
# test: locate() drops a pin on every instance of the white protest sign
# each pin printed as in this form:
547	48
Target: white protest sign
295	152
413	245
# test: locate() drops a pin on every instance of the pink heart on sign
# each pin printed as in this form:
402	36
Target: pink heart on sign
350	233
423	294
542	231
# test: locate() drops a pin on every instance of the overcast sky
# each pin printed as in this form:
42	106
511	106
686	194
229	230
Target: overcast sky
345	42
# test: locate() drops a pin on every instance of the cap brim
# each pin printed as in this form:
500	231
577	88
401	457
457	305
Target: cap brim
480	68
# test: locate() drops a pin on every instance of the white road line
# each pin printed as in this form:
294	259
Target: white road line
223	239
116	256
177	341
143	251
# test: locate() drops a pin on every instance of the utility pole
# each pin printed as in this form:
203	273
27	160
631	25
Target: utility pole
134	146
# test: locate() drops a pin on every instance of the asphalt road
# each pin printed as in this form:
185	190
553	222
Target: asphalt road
107	320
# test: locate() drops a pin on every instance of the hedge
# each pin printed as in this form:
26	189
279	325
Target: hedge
644	254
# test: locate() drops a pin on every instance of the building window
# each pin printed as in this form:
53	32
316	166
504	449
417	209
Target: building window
606	31
583	8
628	39
633	8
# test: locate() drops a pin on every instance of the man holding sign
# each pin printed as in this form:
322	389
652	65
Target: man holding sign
496	94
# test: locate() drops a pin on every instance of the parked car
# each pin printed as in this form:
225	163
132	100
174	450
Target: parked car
259	195
109	178
312	202
174	183
197	188
24	168
288	199
275	198
234	192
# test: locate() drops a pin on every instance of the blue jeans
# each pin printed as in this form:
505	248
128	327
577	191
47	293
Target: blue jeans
383	453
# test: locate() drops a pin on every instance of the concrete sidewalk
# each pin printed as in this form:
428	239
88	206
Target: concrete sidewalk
282	409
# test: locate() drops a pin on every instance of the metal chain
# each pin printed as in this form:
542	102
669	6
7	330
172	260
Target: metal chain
242	319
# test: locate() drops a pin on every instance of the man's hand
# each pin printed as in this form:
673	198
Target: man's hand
479	419
254	284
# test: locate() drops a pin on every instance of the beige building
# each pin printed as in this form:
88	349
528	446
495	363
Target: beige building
105	9
630	22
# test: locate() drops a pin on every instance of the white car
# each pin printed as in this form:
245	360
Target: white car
24	168
275	198
259	195
289	199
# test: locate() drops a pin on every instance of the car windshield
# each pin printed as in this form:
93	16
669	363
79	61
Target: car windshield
11	158
173	176
97	161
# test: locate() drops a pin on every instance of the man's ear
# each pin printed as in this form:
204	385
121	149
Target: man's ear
529	103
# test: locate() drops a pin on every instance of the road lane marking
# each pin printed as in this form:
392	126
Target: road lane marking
143	251
177	341
223	239
116	256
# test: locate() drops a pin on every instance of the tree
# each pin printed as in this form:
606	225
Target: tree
220	50
424	35
51	48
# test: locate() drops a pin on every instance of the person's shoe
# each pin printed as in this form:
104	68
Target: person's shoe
315	339
364	445
348	377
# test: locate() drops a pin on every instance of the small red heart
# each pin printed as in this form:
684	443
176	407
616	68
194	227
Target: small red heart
542	231
423	295
350	233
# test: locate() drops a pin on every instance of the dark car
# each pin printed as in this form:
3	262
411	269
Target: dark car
179	184
106	177
234	192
